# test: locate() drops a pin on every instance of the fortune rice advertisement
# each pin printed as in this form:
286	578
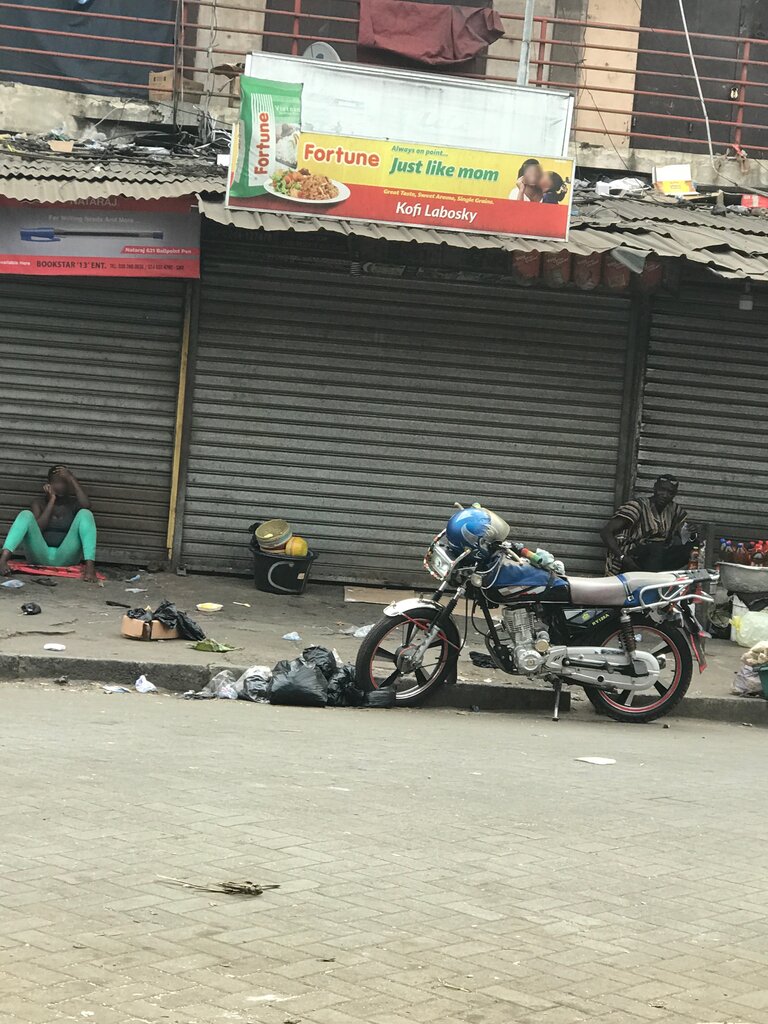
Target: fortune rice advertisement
275	165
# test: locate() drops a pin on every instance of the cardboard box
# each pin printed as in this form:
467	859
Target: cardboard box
135	629
674	180
161	87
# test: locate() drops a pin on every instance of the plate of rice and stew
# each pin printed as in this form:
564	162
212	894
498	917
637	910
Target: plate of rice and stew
302	186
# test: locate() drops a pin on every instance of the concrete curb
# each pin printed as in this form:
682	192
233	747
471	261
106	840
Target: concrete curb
739	710
462	696
176	678
179	678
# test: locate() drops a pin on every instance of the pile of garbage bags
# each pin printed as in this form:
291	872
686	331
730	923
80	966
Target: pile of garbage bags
172	618
315	680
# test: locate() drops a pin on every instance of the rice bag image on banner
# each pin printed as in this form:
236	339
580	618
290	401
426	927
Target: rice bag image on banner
265	139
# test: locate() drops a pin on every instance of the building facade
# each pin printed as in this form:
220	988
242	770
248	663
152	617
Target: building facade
358	380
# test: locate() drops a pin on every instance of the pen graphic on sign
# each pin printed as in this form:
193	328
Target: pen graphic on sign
55	235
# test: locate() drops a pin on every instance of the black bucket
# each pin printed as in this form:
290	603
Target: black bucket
281	574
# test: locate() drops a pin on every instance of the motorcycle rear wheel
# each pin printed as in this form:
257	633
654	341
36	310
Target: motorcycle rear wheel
376	664
669	690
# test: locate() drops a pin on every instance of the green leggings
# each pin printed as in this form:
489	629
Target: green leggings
79	544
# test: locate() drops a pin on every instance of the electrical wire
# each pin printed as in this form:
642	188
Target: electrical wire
718	170
698	81
596	110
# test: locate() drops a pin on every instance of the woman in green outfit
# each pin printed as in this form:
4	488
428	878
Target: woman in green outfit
58	529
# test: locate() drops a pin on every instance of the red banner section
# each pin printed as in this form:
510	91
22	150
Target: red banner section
107	267
428	209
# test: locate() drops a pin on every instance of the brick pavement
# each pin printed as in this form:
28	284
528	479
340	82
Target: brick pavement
434	866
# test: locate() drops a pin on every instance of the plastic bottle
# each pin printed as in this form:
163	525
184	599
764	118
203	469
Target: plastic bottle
742	555
726	550
759	555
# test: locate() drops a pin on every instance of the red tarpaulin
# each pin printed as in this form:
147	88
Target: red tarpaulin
428	32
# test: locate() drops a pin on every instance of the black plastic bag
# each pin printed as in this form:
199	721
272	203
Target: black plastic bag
188	628
480	660
321	657
295	683
383	698
255	684
169	615
166	614
140	613
342	691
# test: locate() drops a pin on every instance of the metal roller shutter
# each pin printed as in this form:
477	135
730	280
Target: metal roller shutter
704	404
361	408
90	378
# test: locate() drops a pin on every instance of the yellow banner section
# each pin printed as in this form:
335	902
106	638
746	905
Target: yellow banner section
403	165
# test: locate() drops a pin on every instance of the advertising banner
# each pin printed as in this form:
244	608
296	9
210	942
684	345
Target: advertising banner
277	164
100	238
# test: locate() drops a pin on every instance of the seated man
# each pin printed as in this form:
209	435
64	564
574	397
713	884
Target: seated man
647	533
59	530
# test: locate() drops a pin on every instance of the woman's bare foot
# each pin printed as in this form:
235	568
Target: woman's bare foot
89	572
4	570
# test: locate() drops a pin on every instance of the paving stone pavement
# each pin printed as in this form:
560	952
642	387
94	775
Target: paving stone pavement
434	866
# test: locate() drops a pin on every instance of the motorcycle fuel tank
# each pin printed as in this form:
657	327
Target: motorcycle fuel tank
508	579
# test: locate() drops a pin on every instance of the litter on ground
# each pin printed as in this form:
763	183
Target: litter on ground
244	888
211	646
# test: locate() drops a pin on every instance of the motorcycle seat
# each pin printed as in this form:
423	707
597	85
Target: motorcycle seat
613	591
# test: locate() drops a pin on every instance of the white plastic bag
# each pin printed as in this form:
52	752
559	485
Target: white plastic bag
746	682
223	686
751	628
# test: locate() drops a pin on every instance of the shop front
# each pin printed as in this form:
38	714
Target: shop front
703	405
90	378
360	399
96	292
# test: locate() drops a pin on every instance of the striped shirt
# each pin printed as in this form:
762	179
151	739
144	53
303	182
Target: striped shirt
644	523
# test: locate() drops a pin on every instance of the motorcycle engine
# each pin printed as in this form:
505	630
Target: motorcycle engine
529	642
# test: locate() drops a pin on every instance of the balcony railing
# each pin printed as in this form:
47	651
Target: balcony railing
634	85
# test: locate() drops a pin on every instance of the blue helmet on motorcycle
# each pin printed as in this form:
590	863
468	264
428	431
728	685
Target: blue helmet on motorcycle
474	526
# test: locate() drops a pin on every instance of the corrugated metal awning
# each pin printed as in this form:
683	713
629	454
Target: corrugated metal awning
62	179
731	244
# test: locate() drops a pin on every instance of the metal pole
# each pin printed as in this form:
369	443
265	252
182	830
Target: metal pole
523	70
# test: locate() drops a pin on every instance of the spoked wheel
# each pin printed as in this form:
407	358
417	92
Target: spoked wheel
385	656
669	689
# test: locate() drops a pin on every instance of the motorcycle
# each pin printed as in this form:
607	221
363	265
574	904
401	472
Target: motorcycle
629	640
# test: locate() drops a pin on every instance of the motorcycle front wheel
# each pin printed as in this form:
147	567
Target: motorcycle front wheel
379	659
670	687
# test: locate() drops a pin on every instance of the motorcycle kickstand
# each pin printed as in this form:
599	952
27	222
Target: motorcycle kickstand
558	690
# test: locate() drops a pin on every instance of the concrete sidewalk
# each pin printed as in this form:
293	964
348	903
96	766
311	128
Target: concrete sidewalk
78	616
